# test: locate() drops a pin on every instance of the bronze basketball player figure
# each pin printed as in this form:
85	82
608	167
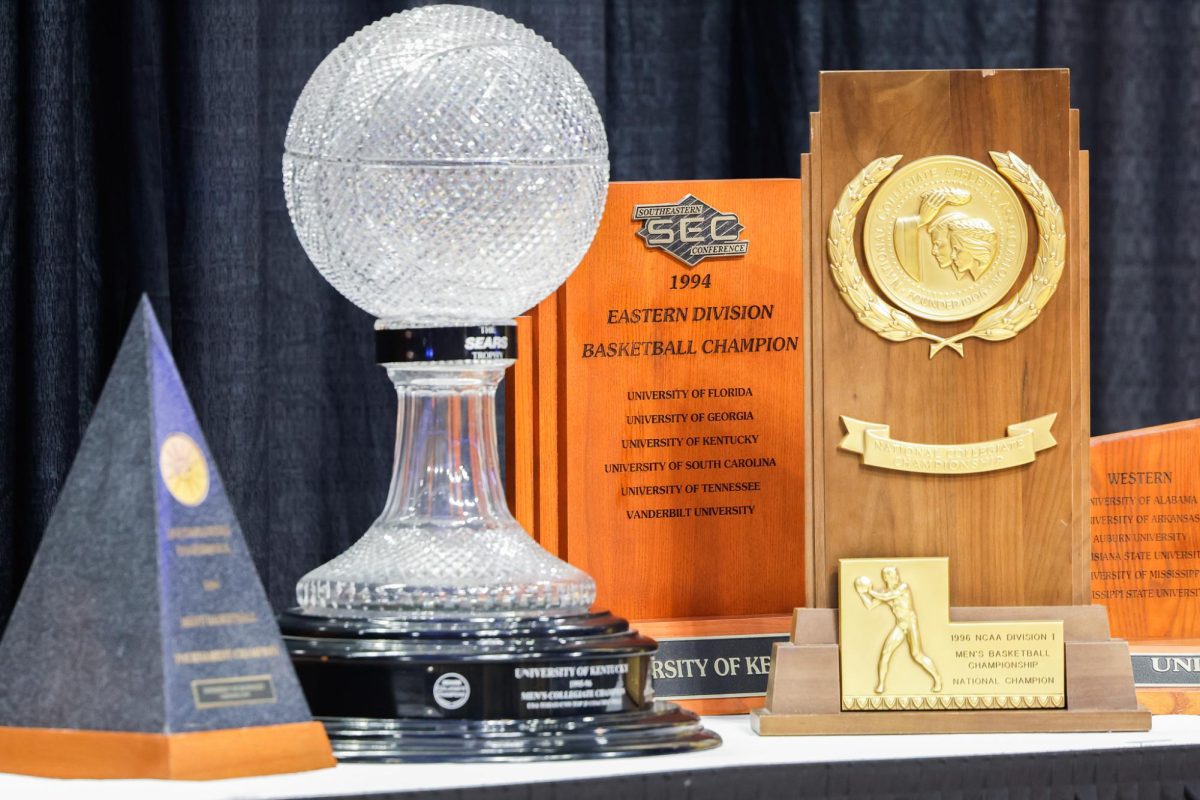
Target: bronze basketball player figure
898	597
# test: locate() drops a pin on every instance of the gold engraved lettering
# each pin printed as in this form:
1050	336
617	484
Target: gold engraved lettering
226	654
214	549
873	441
200	532
218	620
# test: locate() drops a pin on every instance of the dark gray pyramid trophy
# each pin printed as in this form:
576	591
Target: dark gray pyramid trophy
142	644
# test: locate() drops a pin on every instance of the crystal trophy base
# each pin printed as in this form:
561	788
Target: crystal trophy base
445	169
446	632
485	689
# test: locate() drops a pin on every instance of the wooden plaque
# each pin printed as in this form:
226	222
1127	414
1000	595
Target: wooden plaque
891	384
1146	555
1146	530
666	393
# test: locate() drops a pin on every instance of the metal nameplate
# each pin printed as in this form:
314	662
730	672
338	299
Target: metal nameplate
702	667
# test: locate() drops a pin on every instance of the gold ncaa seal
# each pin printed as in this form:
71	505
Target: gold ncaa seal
945	238
184	469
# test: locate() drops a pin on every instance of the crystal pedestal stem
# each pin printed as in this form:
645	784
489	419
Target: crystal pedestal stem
446	472
446	544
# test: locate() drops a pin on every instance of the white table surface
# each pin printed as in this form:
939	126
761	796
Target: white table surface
741	748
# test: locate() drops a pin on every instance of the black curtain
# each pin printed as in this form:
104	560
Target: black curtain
140	149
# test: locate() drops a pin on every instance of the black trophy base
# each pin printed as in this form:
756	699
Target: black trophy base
662	729
485	689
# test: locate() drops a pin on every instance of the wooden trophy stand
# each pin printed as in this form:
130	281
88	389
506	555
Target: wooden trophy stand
949	434
1146	571
804	691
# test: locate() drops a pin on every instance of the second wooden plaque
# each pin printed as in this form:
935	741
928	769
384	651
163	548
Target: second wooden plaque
666	400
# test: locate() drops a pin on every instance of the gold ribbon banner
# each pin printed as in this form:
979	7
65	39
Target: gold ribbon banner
1020	446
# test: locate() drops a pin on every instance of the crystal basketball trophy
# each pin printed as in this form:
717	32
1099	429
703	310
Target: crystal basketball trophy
446	169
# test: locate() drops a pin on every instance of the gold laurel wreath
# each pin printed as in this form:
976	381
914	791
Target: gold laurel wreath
996	325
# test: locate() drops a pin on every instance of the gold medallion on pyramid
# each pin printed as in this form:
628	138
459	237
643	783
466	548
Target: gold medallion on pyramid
184	469
945	238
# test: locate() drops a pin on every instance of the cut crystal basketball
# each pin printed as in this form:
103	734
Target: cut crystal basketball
445	166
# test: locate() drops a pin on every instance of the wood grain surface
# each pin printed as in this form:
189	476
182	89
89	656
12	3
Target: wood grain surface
1170	701
852	723
750	563
1017	536
1146	530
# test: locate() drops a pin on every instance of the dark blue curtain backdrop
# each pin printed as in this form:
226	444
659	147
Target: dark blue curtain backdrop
140	151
